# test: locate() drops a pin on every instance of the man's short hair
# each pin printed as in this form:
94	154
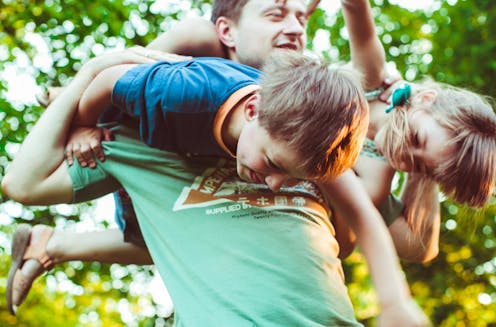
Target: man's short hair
228	8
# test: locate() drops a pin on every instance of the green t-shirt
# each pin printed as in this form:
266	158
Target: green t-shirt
392	207
231	253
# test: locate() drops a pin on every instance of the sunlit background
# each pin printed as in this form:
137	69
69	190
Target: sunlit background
32	58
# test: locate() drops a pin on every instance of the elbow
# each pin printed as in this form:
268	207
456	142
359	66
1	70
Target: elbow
430	255
419	254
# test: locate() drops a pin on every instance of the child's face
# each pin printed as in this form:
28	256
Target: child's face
428	141
266	25
261	159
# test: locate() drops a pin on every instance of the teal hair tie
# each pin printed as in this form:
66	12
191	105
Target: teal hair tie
400	97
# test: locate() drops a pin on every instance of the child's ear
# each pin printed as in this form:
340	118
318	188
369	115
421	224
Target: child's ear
224	31
251	105
425	98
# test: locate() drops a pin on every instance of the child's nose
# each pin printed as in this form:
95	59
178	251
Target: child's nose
274	182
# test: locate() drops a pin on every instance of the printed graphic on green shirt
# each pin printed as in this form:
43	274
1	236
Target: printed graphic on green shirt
221	185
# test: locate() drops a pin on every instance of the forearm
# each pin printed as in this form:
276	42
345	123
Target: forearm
411	246
422	217
376	244
372	237
97	96
367	52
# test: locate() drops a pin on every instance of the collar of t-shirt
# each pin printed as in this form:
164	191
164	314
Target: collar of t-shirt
225	109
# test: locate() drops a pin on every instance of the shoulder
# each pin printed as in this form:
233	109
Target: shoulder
230	67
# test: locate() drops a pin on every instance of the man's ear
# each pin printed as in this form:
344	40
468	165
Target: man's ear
425	98
223	27
250	107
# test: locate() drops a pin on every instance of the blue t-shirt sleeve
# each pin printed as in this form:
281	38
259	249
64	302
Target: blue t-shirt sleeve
176	102
147	93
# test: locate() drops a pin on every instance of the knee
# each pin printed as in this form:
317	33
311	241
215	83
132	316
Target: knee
13	190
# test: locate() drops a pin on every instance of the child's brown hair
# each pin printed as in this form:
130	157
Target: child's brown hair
321	112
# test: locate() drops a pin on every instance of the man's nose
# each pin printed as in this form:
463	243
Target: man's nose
293	26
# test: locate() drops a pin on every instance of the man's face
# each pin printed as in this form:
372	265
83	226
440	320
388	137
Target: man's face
261	159
266	25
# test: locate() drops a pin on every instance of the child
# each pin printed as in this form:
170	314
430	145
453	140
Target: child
303	112
438	134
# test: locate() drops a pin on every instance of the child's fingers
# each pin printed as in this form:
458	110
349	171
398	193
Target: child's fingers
97	150
85	156
157	55
386	94
391	78
68	154
171	57
76	152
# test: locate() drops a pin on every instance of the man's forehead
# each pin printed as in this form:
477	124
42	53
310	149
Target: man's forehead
300	4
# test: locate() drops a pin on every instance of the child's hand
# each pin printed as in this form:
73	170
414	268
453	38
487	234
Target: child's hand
392	78
85	144
159	55
405	314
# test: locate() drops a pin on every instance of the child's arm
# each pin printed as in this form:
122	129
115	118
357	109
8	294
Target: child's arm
348	197
416	231
367	52
180	39
97	96
84	139
368	56
416	245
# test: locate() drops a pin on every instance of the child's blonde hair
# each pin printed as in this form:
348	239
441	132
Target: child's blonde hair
321	112
469	175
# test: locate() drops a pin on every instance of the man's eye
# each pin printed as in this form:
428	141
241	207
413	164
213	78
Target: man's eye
276	14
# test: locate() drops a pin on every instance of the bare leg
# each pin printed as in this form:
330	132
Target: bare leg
106	246
42	152
38	175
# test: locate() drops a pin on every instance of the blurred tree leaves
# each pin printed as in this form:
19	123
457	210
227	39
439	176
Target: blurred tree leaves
454	42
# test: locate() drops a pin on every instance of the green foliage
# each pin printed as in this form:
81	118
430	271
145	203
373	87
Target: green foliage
453	42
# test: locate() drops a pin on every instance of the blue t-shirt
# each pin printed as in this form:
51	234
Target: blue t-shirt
176	105
176	102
